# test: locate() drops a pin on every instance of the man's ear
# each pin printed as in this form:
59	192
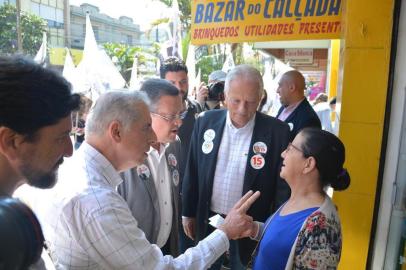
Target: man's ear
292	87
115	131
10	142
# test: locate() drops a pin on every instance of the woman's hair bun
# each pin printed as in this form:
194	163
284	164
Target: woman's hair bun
342	180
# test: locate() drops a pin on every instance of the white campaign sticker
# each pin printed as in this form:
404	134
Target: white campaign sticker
207	146
172	160
257	162
143	170
175	177
260	148
209	135
291	126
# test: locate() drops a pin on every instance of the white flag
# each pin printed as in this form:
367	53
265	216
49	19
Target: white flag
176	32
191	67
199	77
71	74
134	82
41	55
229	63
98	70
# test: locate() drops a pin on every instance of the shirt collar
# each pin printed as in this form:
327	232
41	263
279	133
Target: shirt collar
293	106
248	126
102	163
162	149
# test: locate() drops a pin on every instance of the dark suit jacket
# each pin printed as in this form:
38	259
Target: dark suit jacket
200	169
303	116
185	132
142	198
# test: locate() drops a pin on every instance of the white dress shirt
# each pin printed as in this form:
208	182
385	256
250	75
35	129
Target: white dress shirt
231	164
90	226
160	174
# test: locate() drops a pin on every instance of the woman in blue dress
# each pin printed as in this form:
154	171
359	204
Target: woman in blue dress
305	233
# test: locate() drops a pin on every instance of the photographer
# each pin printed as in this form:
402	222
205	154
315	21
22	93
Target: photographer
212	96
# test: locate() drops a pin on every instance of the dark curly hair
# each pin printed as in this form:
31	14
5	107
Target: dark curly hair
31	96
172	64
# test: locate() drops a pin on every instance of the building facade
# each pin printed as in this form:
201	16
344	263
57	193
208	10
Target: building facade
53	11
105	28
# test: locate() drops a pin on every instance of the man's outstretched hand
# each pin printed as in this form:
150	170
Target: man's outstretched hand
237	223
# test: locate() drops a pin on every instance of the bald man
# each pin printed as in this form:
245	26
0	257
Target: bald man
296	110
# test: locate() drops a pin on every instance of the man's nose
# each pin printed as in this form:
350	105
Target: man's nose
152	137
178	122
242	107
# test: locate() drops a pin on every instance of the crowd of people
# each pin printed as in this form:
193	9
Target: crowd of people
155	166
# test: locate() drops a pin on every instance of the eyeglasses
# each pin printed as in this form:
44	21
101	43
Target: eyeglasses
290	146
171	118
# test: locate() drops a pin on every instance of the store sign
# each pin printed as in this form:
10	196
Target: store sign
233	21
299	56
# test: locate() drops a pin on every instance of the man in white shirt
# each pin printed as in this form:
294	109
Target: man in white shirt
231	152
152	189
89	225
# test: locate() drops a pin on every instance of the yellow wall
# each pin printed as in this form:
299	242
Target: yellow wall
334	60
362	89
57	56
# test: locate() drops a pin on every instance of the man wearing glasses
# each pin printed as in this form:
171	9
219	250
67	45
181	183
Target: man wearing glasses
175	71
152	188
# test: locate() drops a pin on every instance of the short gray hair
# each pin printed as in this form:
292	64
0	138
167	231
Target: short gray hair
247	73
120	105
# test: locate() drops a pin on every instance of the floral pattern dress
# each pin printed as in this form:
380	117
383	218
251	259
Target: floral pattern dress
319	241
318	244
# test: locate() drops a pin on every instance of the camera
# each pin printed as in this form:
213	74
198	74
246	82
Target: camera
216	91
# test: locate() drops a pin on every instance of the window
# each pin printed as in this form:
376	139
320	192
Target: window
129	40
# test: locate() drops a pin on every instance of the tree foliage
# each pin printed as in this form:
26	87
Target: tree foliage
32	28
123	57
185	11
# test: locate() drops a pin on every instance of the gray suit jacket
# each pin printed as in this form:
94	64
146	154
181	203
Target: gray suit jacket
138	189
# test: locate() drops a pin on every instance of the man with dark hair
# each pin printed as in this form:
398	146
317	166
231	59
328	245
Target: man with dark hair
295	110
152	188
175	71
212	96
35	122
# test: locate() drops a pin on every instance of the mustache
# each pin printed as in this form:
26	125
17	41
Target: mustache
59	162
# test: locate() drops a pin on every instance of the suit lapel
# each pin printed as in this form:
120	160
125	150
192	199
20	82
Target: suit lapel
150	187
298	108
257	136
172	162
218	127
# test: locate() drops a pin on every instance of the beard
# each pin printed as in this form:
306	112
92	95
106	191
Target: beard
40	179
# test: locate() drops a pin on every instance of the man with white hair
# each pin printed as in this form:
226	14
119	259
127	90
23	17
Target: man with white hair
152	189
88	224
231	152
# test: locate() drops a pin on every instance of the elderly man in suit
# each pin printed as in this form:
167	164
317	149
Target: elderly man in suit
152	188
231	152
295	110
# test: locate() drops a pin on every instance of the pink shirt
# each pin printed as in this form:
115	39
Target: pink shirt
288	110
